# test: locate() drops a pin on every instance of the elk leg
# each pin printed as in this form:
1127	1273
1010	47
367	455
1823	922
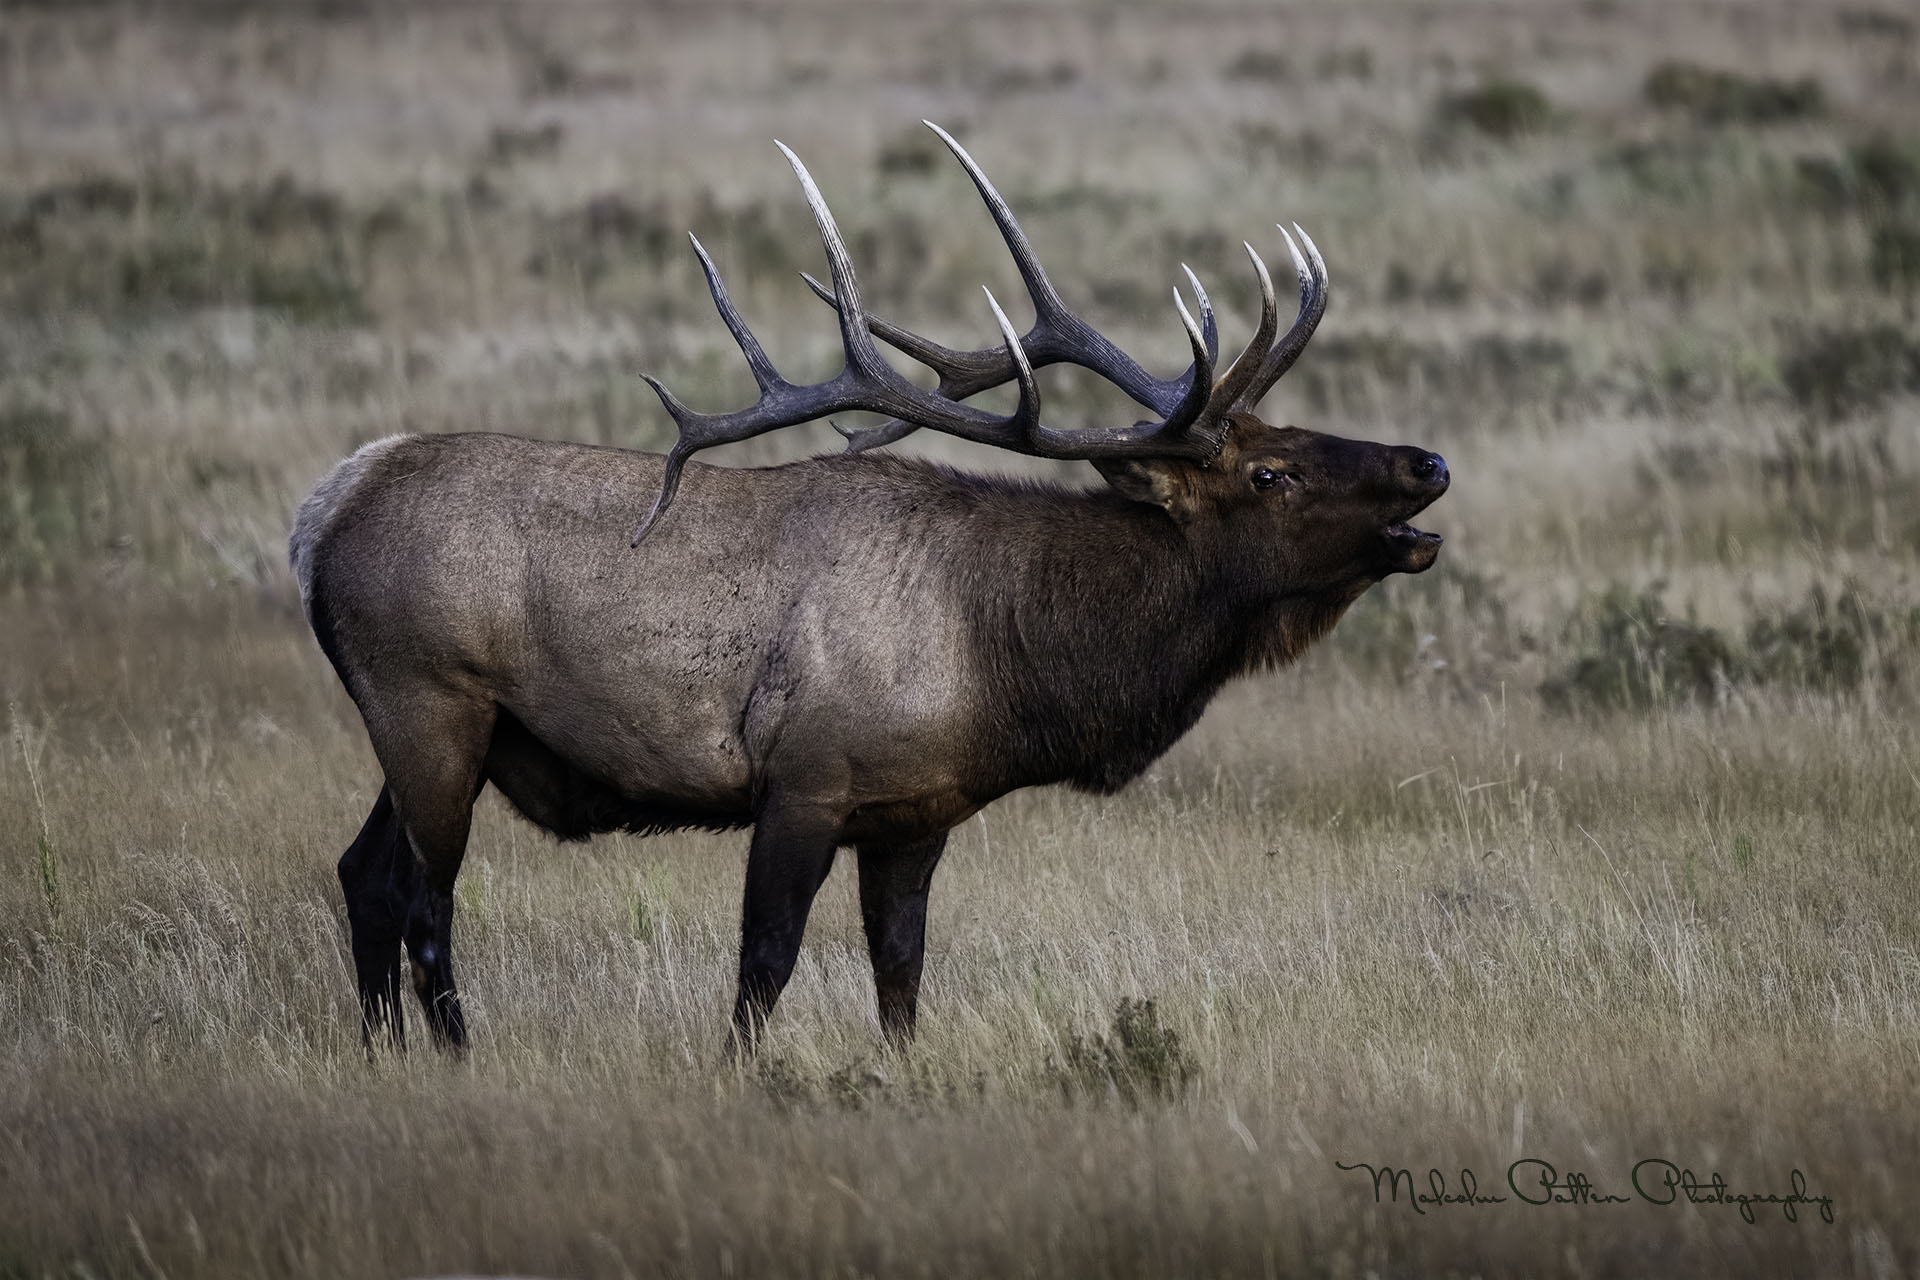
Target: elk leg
434	775
791	853
894	879
377	877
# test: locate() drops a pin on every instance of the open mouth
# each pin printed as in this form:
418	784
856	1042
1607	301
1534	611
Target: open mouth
1410	550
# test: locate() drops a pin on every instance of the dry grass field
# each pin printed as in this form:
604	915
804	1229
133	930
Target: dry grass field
1594	845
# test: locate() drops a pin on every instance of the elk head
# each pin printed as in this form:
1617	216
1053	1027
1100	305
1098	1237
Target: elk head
1288	509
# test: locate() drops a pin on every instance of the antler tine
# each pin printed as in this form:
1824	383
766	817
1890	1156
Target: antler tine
861	353
1246	367
1312	271
763	371
1026	419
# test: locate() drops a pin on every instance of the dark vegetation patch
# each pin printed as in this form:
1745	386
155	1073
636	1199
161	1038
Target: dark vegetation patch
1499	108
509	144
1887	170
1140	1060
1713	96
1684	377
1451	622
1877	179
1558	281
1634	654
796	1089
612	232
545	70
1024	78
751	242
1815	466
55	494
1353	62
1302	151
1260	65
1488	376
592	240
1677	170
1876	24
108	246
224	11
1893	261
1878	176
1839	372
1446	285
916	153
1832	643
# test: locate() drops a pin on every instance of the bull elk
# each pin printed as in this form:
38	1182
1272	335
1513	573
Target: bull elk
858	649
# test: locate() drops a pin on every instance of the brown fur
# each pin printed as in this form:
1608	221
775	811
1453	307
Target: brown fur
849	650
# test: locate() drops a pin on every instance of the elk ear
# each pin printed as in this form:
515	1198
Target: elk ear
1154	480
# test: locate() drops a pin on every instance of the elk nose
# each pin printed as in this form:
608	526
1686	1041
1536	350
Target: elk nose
1429	468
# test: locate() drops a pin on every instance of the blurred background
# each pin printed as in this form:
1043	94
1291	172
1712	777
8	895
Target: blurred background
1621	790
1647	274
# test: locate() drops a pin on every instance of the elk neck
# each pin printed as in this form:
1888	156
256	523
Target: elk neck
1104	629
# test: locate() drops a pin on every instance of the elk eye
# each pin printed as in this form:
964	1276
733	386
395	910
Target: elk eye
1267	478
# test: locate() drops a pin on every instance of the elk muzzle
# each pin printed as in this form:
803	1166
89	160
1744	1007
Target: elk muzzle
1421	477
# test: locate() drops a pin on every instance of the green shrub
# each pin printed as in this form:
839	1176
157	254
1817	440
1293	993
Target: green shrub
1832	645
1498	108
1726	97
1631	656
1141	1059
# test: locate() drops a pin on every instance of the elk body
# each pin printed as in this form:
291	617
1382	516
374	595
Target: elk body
856	650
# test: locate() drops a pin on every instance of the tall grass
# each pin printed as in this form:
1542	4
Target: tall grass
1593	845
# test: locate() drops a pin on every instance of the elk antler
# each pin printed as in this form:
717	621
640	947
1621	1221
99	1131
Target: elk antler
1312	271
967	373
1192	407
